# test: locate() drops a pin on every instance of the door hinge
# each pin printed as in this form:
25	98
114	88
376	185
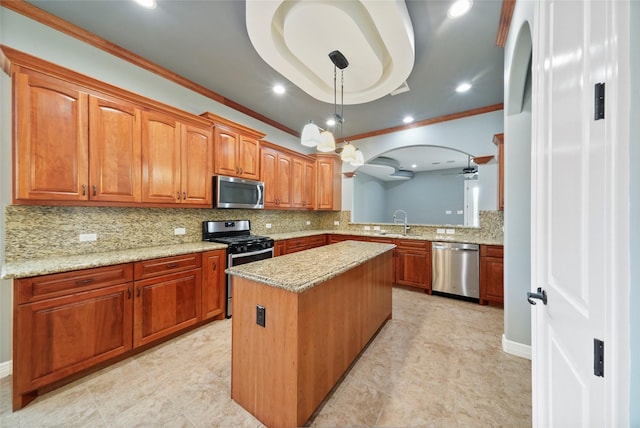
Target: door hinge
599	101
598	357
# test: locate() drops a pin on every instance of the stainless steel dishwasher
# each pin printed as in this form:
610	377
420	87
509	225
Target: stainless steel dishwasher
455	269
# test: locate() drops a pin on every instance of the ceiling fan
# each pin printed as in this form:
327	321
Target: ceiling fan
470	171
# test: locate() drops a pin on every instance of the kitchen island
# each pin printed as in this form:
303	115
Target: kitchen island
300	320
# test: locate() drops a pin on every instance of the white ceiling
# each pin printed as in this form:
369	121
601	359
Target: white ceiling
207	42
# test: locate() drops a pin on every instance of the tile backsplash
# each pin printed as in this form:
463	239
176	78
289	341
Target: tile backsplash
44	231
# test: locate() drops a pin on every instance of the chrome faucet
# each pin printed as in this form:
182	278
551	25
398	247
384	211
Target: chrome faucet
395	220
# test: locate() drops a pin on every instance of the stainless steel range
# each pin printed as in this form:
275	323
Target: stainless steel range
242	246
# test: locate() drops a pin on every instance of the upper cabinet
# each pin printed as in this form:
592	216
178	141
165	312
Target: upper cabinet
498	140
328	182
303	179
82	142
176	161
237	148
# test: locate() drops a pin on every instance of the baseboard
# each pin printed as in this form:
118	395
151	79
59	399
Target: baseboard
6	368
515	348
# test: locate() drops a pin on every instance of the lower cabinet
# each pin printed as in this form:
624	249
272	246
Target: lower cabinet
68	322
491	274
332	238
413	264
294	245
213	284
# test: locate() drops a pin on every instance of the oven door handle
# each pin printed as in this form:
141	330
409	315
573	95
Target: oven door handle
253	253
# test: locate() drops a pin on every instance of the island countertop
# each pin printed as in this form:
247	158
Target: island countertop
303	270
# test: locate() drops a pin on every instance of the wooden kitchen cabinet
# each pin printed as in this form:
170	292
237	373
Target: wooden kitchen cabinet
213	284
237	148
491	274
498	140
168	296
294	245
413	263
275	172
176	161
333	238
51	139
279	248
328	182
302	182
67	322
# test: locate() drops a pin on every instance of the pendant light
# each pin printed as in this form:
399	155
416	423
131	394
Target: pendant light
322	139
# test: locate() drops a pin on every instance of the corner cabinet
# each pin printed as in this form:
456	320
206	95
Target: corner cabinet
491	274
498	140
328	182
237	148
176	161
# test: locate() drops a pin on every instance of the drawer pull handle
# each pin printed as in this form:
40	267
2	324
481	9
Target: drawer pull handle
95	190
184	196
172	265
178	195
84	189
138	292
129	293
84	281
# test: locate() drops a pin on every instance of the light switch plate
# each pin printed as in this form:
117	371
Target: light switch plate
308	222
439	231
460	212
447	212
451	231
179	231
88	237
268	225
367	228
376	227
336	223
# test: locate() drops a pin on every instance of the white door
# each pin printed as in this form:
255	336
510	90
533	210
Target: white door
572	206
568	214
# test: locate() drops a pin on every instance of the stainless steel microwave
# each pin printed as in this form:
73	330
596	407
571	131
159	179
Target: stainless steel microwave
233	192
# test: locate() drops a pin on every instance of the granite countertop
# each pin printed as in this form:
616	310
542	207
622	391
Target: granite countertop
422	237
35	267
303	270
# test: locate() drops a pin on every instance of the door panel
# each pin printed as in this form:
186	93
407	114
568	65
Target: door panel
197	157
161	163
568	215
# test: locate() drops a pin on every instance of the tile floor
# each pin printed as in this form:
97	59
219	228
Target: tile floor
438	363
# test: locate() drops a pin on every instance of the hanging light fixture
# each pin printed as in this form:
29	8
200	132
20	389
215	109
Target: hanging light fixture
323	139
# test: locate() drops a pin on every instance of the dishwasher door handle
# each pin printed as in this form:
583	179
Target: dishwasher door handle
454	248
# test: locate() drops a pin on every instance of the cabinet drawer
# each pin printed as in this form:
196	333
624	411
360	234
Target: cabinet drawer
67	283
491	251
411	244
155	267
316	241
381	240
296	244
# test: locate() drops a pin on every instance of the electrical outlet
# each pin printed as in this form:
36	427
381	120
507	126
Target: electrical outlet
336	223
308	222
447	212
451	231
261	315
376	227
88	237
460	212
179	231
268	225
367	228
439	231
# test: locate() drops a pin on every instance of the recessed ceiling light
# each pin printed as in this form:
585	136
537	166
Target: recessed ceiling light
278	89
407	119
463	87
149	4
459	8
414	166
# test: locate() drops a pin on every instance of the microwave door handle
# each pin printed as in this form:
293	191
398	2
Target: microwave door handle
259	193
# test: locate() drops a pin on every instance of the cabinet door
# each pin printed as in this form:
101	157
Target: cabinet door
248	158
51	144
161	164
491	280
269	175
279	248
165	305
297	182
309	185
284	181
114	149
226	146
213	284
413	268
328	184
197	157
57	337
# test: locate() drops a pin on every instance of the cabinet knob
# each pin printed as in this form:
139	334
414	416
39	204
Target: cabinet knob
184	196
84	189
95	190
241	170
178	193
